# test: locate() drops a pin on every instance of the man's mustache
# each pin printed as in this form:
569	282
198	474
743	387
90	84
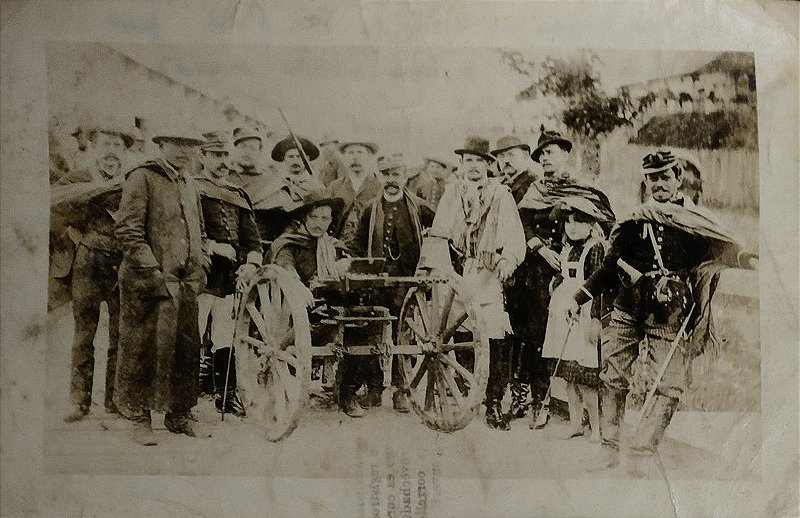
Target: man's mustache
111	156
391	184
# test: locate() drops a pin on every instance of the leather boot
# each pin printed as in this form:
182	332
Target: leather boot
645	439
519	400
206	375
495	417
78	413
400	401
352	408
612	409
142	430
179	423
232	403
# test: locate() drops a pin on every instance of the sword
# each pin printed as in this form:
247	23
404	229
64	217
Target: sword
303	157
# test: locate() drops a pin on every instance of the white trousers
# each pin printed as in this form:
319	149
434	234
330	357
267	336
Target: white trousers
222	323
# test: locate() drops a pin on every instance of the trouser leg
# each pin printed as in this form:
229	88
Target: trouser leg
113	342
498	370
592	405
86	300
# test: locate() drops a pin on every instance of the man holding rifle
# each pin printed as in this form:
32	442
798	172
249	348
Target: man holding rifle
665	260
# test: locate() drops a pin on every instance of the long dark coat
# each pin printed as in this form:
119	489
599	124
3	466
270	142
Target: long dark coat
160	231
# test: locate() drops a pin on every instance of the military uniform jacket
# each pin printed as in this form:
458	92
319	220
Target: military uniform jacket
228	218
394	231
354	202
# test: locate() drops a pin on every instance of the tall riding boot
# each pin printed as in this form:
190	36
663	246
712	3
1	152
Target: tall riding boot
231	400
206	373
519	400
612	410
645	439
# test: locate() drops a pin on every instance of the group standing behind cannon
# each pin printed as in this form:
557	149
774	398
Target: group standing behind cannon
169	245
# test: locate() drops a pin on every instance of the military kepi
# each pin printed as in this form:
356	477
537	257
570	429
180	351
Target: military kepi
244	133
280	149
658	162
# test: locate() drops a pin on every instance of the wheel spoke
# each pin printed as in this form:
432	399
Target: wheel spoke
430	390
258	320
418	330
445	311
422	307
422	366
451	383
452	328
460	369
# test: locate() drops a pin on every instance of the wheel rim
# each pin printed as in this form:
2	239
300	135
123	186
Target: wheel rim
445	383
273	352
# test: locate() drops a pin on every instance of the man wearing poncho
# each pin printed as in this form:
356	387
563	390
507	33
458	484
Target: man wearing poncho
479	217
665	259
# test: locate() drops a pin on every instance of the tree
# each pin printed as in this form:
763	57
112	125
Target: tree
586	110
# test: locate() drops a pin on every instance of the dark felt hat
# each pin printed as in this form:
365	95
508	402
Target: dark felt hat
112	128
510	141
280	149
244	133
319	198
658	161
179	136
215	141
547	138
476	146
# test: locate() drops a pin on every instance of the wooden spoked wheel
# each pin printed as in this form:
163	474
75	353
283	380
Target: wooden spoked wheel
273	351
447	380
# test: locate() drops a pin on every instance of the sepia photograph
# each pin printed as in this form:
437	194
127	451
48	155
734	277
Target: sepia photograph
421	276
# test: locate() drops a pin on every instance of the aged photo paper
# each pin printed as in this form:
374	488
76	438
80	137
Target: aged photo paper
399	258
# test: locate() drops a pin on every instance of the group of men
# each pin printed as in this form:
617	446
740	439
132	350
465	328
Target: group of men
167	246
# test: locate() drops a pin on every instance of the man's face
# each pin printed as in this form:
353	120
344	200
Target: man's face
663	185
214	163
247	152
435	169
318	220
357	158
108	149
575	229
293	162
513	161
474	167
554	160
393	180
177	153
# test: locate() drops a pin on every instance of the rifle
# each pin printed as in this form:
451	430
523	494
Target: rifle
303	157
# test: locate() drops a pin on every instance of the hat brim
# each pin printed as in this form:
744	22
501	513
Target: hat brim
215	147
373	147
336	204
281	148
496	152
462	152
563	143
186	141
661	169
240	139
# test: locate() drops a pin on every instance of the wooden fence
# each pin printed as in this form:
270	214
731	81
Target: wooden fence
730	176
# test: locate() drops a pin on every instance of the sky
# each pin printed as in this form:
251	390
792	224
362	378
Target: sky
409	99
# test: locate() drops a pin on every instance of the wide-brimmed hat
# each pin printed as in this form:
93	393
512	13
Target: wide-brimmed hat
547	138
319	198
658	162
112	128
439	160
280	149
244	133
509	141
215	141
476	146
373	147
178	135
392	161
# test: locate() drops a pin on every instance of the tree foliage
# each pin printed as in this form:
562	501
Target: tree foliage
586	109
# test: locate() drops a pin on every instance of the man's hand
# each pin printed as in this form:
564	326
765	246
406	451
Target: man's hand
504	269
224	250
244	274
551	257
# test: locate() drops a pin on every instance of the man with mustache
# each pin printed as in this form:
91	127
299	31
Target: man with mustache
514	161
94	265
247	171
390	227
236	254
357	187
163	270
529	297
479	218
664	261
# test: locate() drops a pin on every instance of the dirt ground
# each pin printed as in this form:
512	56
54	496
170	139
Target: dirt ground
699	445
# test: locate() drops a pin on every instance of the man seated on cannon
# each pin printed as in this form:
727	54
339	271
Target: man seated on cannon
390	227
236	254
